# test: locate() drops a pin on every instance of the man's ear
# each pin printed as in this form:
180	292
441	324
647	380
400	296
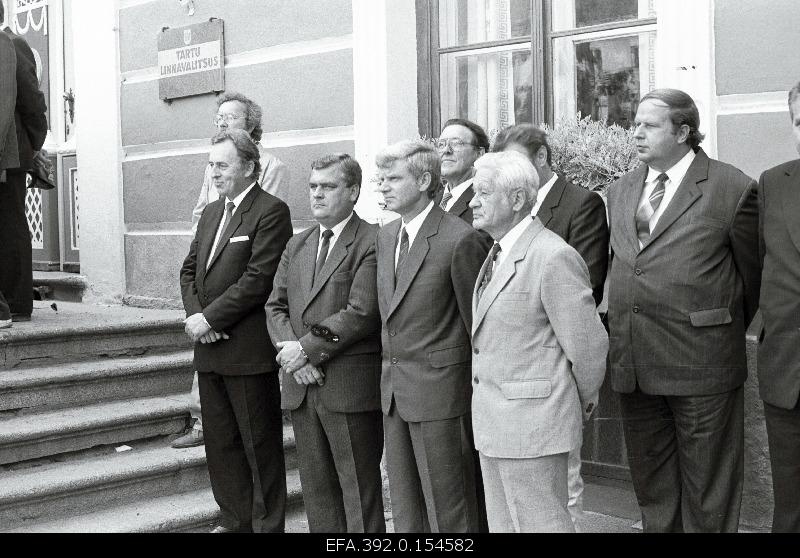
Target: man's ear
251	168
541	157
518	200
682	133
424	181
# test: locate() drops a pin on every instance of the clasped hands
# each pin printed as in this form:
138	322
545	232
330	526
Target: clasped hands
293	360
198	329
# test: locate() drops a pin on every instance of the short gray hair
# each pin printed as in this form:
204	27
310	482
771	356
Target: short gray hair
512	171
420	156
245	147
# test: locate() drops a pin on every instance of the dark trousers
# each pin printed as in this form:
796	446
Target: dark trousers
686	456
431	469
243	432
340	467
16	265
783	433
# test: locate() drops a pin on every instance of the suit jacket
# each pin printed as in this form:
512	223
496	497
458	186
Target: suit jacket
579	217
426	319
345	300
9	154
539	349
778	358
460	208
679	306
231	294
30	119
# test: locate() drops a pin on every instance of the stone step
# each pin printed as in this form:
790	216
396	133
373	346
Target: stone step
57	285
194	511
103	379
43	434
78	331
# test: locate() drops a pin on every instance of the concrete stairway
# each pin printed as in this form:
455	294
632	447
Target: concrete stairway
90	398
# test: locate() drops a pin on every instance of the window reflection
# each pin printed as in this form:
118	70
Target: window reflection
595	12
465	22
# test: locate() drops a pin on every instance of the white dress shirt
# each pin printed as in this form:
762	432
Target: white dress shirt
336	230
236	202
675	174
541	194
508	241
457	192
412	228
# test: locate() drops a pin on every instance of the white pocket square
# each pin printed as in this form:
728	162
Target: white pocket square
239	239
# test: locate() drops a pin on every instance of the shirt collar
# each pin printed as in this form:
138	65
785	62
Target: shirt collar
460	189
238	199
542	192
413	226
677	172
338	227
511	237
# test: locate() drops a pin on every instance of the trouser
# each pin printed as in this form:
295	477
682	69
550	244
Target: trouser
340	467
194	404
527	495
5	311
686	457
575	487
431	469
783	433
244	449
16	257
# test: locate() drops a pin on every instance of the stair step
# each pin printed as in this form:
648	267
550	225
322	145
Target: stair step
60	286
49	433
77	383
194	511
83	331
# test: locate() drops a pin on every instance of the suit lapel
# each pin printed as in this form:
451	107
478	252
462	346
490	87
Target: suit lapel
234	223
635	187
335	257
687	193
416	255
386	263
208	236
504	273
791	202
462	203
307	260
551	201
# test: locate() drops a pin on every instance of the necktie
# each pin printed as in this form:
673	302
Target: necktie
401	258
492	257
446	197
229	207
649	208
323	252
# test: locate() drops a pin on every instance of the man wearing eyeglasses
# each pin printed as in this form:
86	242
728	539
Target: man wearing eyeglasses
459	145
234	112
323	316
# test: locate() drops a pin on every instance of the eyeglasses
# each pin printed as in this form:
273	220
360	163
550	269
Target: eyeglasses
217	120
454	144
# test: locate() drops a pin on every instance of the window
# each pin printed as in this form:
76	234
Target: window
501	62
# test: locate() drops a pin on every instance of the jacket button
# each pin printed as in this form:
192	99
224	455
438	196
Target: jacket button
476	351
638	271
394	361
635	309
392	333
305	325
476	380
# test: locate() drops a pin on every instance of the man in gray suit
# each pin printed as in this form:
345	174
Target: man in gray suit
539	352
427	264
684	285
323	316
9	155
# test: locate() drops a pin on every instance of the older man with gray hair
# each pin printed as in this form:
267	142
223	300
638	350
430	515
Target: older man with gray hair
539	352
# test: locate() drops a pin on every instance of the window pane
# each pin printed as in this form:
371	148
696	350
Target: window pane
569	14
493	89
603	78
465	22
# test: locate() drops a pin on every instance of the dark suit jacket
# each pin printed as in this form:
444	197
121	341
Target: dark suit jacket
232	293
344	299
31	122
9	155
778	357
679	307
579	217
427	318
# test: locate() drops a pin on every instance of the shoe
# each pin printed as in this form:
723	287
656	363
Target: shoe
189	440
5	323
20	317
221	529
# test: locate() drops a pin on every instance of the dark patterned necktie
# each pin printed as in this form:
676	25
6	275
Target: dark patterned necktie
446	197
492	257
323	252
648	209
401	257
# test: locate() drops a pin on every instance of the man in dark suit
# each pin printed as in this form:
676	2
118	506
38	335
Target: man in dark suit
684	285
428	261
778	359
323	315
225	282
459	145
9	155
579	217
16	265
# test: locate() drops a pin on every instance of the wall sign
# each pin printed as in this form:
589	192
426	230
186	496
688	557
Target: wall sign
191	60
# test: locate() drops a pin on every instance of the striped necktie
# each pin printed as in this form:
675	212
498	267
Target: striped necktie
487	276
446	197
649	208
323	252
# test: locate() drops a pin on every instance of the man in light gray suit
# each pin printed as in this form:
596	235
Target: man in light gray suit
539	352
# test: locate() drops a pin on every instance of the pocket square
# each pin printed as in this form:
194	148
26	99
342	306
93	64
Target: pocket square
239	239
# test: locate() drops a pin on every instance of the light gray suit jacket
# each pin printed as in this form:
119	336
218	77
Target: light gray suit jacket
539	349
